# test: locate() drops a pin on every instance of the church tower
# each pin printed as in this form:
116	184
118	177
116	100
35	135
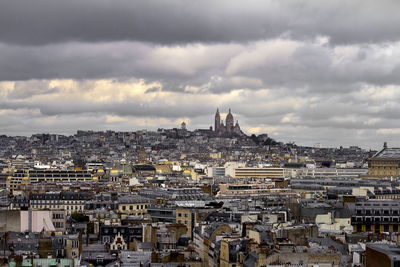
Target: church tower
236	129
229	122
217	121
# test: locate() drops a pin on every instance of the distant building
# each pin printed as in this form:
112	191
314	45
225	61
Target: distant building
133	205
229	129
260	173
28	177
385	163
183	126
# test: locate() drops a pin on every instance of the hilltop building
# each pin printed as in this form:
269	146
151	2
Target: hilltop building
229	129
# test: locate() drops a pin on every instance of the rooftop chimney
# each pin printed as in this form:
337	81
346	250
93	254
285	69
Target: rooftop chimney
384	145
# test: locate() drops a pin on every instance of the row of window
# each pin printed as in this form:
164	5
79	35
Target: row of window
131	231
377	212
386	228
132	206
378	204
58	216
376	219
57	201
57	207
58	224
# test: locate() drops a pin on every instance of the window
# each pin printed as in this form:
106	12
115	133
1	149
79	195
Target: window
179	214
75	243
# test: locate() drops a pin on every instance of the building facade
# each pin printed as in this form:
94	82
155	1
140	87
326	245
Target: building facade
376	216
385	163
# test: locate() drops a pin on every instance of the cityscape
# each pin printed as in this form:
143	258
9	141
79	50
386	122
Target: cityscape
208	197
199	133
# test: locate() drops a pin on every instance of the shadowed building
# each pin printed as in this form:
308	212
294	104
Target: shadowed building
383	255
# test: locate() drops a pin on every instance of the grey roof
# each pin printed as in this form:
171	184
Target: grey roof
135	258
388	153
329	242
132	199
251	259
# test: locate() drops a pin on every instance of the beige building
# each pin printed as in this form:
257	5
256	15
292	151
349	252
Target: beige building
260	173
59	219
295	258
133	205
205	239
226	258
188	218
248	190
20	178
385	163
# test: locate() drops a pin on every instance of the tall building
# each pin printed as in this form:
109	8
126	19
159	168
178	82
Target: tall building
229	129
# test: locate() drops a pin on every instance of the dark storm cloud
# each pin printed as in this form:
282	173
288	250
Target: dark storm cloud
108	60
169	22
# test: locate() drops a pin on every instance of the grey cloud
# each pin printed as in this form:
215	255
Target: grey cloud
23	90
310	66
48	21
129	107
301	68
153	90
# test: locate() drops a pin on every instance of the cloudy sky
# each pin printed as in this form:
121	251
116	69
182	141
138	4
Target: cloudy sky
308	71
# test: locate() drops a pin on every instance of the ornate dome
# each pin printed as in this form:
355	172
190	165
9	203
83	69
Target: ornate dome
229	119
